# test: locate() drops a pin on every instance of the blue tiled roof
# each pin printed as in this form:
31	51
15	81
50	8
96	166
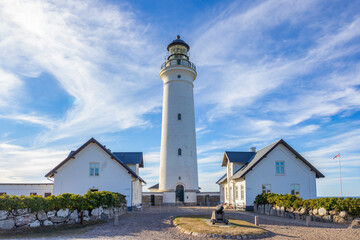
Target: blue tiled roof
130	157
221	178
240	157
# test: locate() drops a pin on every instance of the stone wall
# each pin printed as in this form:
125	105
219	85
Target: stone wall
22	218
146	199
205	200
319	215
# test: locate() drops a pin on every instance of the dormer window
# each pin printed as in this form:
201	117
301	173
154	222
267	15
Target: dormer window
94	169
179	152
179	116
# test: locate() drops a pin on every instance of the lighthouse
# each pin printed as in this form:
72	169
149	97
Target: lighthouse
178	180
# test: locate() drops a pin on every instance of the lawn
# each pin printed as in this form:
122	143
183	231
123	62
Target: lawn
201	224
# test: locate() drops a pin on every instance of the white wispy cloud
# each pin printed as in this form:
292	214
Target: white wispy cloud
103	61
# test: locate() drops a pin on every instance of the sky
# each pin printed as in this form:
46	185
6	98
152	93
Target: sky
72	70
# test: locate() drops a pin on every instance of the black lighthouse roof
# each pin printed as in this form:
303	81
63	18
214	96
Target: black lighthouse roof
178	41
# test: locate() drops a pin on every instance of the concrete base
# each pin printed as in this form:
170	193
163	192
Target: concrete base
169	198
190	198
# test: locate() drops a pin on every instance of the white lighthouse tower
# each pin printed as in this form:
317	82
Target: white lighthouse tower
178	159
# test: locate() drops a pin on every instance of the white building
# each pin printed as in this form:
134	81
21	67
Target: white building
277	168
27	189
95	168
178	180
91	167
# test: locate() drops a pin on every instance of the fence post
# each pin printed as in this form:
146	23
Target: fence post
171	220
116	219
308	220
256	221
82	216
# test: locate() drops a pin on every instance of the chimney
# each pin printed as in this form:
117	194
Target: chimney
253	149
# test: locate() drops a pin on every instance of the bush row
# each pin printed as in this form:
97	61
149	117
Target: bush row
88	201
350	205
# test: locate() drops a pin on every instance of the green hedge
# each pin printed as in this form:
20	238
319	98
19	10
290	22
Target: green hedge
88	201
350	205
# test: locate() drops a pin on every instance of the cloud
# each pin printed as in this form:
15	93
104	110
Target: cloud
98	53
9	86
19	164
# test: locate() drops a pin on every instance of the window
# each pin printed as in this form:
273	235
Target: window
242	192
226	193
295	189
179	152
94	189
33	194
266	188
236	192
47	194
94	169
179	116
2	193
280	168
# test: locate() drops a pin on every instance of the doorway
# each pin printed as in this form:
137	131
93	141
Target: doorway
180	193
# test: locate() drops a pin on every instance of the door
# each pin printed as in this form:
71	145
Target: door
180	193
152	200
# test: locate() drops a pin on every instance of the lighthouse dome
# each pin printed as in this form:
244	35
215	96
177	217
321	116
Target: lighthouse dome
178	41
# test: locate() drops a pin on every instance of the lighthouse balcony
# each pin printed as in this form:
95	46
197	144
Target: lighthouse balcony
178	62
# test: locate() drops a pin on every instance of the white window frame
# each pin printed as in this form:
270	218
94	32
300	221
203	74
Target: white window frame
236	192
280	165
92	165
266	188
296	188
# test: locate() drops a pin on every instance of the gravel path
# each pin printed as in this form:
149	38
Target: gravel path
156	225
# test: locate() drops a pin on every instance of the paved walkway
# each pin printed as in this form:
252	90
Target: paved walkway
154	224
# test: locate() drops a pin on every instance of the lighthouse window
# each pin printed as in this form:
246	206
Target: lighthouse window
179	76
179	116
179	152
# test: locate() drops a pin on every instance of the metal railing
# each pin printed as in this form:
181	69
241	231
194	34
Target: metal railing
178	62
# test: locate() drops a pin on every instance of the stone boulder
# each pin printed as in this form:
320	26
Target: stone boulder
315	211
25	220
74	215
57	219
36	223
302	211
355	223
96	212
48	223
273	211
322	211
343	214
332	212
41	215
327	218
7	224
62	213
51	213
19	212
3	214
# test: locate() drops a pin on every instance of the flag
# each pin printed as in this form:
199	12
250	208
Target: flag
337	156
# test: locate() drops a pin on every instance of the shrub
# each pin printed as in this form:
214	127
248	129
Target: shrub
350	205
88	201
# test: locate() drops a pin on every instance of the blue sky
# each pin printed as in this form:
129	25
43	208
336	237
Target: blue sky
71	70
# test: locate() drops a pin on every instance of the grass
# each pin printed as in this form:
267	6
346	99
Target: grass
199	224
50	231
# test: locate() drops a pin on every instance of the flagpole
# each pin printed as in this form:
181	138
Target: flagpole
340	177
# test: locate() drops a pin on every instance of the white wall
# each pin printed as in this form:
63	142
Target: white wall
178	98
296	172
26	188
74	176
137	192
